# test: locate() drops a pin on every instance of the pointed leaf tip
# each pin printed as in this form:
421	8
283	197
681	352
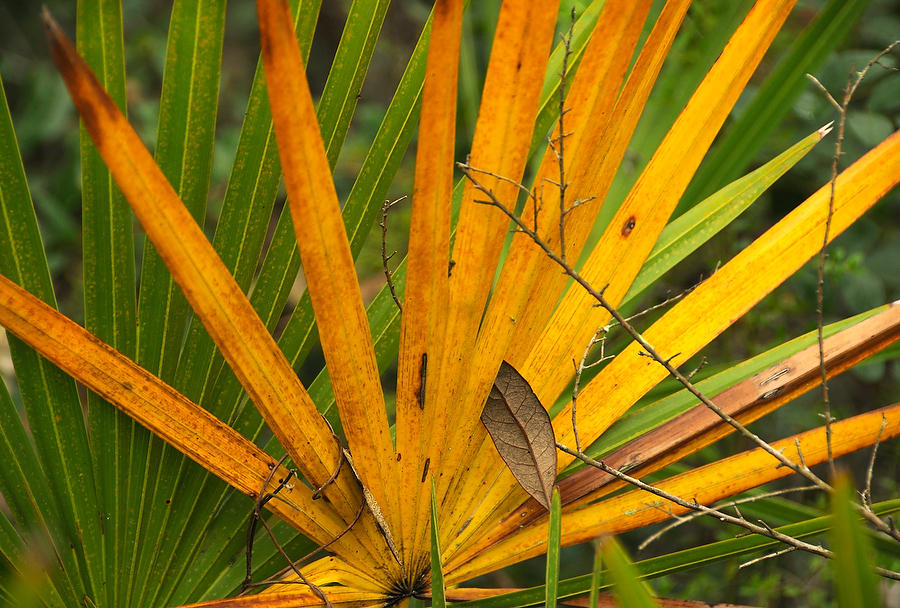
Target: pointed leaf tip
522	433
826	129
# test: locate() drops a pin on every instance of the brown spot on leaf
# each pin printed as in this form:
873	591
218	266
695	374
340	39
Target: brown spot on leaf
425	469
628	226
423	371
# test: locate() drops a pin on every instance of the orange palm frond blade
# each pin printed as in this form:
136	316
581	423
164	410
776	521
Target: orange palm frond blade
425	299
327	261
631	234
166	412
506	117
530	283
212	292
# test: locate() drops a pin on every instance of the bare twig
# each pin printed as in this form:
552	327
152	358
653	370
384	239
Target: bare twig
763	530
648	349
579	368
866	495
294	564
303	580
558	143
766	556
388	275
852	84
732	503
261	499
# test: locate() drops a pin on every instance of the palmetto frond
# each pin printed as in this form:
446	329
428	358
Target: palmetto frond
358	487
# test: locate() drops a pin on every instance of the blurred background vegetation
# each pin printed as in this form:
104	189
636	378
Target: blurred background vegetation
863	268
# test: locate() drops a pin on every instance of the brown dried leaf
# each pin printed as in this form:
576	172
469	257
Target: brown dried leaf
522	433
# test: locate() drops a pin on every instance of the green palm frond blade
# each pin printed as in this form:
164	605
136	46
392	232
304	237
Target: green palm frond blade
242	232
704	220
52	407
119	445
34	569
184	147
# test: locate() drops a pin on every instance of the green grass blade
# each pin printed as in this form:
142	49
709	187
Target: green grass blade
52	407
854	573
692	229
630	590
596	569
109	301
553	544
775	98
437	572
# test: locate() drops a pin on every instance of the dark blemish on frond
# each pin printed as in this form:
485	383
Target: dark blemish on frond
628	226
399	456
450	267
127	386
423	371
425	470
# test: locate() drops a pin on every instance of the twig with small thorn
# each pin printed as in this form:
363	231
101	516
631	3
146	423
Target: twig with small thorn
852	84
866	495
388	275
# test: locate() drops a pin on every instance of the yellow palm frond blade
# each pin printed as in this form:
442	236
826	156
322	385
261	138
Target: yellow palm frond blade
631	234
594	163
327	262
733	290
706	484
530	283
425	297
509	105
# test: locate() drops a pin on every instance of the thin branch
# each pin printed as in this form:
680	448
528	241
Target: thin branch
766	556
732	503
388	275
579	368
850	88
763	530
314	588
648	349
866	496
558	145
262	498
